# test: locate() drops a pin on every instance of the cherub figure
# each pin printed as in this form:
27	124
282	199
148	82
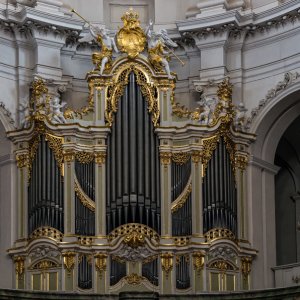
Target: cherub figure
157	42
24	113
240	116
103	59
208	105
57	114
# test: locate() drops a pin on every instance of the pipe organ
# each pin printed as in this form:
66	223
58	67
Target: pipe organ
132	190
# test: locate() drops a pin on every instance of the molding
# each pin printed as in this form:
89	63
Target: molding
264	165
235	22
289	78
7	159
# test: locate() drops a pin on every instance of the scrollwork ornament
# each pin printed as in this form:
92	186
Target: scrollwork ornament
69	260
180	158
196	157
84	157
134	279
167	262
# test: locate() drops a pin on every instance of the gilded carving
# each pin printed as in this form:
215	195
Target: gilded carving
196	156
131	37
180	158
46	232
198	261
134	279
181	241
241	162
218	233
246	266
167	262
83	197
69	260
100	263
116	89
22	160
19	266
68	155
55	144
100	158
209	146
84	157
129	228
181	199
134	239
45	265
221	265
165	158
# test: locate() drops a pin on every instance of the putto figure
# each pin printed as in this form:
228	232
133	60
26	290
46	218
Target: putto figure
157	42
57	114
103	59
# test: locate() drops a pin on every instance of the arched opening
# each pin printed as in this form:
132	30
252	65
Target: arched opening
7	206
270	126
287	197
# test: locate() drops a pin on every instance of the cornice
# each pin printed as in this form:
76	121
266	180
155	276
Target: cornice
236	22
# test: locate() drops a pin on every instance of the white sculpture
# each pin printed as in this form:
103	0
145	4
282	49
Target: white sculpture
240	117
157	41
209	105
57	115
24	113
102	59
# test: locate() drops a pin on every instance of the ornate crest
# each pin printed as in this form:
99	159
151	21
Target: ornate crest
131	37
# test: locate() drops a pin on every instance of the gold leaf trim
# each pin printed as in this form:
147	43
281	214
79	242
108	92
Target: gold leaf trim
218	233
83	197
181	199
84	157
46	232
180	158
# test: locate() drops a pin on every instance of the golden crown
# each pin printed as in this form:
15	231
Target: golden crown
130	15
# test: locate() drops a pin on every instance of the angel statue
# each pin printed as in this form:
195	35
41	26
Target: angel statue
157	42
240	117
103	59
208	106
24	113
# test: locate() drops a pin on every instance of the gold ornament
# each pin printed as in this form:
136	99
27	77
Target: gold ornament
68	155
19	266
131	37
246	266
100	263
100	158
181	199
180	158
84	157
134	239
46	232
241	162
83	197
69	260
167	262
22	160
134	279
218	233
165	158
198	261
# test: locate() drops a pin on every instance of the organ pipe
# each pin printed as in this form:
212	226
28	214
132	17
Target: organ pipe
45	191
133	169
219	192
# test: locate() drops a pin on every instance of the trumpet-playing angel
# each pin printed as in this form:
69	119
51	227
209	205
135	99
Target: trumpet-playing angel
157	41
103	59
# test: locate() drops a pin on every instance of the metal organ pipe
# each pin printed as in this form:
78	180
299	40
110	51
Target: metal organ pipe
45	200
219	192
133	158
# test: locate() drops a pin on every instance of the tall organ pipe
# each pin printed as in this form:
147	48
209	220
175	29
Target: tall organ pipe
219	192
133	172
45	191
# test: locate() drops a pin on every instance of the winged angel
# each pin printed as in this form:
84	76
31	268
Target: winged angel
157	42
103	59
